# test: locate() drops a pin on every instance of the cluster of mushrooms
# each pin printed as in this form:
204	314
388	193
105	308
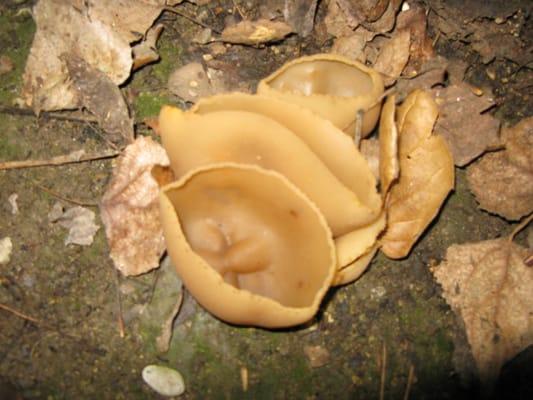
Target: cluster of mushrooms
273	203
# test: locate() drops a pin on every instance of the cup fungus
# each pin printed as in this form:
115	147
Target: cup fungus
193	139
248	244
332	86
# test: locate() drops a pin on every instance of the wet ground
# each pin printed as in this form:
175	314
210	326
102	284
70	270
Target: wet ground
75	351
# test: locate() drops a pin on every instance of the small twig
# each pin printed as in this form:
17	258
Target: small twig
236	6
52	328
409	382
47	114
71	158
21	315
193	20
383	370
60	197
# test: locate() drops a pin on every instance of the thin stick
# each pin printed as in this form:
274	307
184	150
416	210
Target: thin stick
20	314
409	382
46	114
193	20
383	370
235	5
71	158
60	197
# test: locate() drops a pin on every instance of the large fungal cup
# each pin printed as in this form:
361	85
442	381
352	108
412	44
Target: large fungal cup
248	244
332	86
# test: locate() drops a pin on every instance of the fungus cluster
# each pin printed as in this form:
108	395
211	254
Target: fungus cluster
273	203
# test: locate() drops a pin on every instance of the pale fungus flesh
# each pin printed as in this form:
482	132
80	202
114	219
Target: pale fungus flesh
335	149
248	244
332	86
192	140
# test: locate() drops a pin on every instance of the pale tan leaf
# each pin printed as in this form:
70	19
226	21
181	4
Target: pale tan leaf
145	52
393	56
503	182
100	35
426	176
255	32
490	287
467	130
78	220
130	209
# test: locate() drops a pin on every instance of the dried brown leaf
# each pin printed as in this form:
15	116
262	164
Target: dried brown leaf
101	97
503	182
414	20
467	130
489	286
100	35
431	73
130	209
255	32
350	47
300	15
145	52
426	175
393	56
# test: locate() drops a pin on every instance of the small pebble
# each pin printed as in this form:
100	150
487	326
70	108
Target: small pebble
5	250
165	381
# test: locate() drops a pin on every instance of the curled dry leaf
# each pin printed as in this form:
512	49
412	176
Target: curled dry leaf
414	21
426	177
98	94
336	22
393	56
255	32
130	209
100	34
503	182
467	130
350	46
300	15
146	51
489	286
78	220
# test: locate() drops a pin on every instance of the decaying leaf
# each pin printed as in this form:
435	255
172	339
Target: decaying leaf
130	209
350	46
489	286
190	82
503	181
300	15
336	22
255	32
467	130
426	175
389	166
430	74
146	51
377	16
98	32
393	56
101	97
78	220
414	21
